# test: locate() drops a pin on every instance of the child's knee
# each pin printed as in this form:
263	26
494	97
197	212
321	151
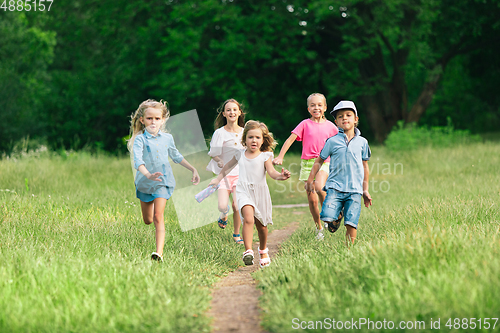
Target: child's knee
148	221
313	199
158	218
248	221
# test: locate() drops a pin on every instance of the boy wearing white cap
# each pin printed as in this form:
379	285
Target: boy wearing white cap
348	177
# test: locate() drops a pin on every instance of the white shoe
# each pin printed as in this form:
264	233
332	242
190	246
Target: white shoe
319	234
156	257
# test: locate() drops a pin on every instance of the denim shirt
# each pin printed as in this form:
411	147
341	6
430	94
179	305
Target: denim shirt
346	161
153	152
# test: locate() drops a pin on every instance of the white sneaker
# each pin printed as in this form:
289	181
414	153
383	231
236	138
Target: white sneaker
319	234
156	257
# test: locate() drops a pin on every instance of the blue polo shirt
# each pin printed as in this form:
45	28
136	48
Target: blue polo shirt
346	161
153	152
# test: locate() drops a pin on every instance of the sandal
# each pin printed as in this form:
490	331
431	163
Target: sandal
239	241
220	221
334	226
264	262
248	257
156	257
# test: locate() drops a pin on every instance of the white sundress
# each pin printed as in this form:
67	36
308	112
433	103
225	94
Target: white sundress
252	187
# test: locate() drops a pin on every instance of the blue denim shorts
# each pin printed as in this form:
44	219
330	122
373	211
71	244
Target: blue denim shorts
335	201
161	192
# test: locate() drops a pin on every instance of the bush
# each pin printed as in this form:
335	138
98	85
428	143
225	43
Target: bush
411	136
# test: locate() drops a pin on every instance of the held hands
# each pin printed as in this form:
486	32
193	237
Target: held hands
309	187
278	160
285	174
367	198
220	164
155	176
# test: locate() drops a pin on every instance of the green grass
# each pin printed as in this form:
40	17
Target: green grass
74	252
428	248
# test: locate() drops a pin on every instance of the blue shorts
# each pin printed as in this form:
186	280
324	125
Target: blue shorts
335	201
161	192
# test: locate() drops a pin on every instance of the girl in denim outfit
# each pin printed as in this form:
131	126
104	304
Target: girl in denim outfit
154	183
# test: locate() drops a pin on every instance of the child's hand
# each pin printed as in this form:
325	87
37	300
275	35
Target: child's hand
196	177
309	187
213	182
220	164
367	198
155	176
285	174
278	160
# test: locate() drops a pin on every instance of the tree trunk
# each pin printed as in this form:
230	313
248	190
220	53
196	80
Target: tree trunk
426	95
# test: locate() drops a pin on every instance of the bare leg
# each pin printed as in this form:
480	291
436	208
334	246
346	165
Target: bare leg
159	208
350	234
153	212
147	212
223	198
320	195
248	222
262	231
236	216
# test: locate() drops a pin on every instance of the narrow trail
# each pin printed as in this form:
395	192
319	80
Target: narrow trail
235	299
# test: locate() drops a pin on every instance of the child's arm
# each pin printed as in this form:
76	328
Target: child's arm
219	161
138	151
225	170
196	176
148	175
215	151
314	170
284	175
284	149
366	195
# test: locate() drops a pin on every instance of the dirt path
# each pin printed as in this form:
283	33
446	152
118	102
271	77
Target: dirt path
235	299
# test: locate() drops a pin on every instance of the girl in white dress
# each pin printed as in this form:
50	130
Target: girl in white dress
254	199
225	144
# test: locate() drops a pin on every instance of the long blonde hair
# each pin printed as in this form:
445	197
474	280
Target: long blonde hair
269	143
222	121
136	127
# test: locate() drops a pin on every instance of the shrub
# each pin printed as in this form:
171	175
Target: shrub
411	136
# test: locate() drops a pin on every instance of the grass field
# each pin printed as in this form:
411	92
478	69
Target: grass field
75	252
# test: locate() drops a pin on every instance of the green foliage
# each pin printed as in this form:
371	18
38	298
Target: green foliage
411	136
83	68
27	50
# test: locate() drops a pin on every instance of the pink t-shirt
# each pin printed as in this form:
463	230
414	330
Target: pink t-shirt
313	136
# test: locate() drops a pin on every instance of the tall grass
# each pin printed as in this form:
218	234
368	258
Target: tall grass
427	249
75	252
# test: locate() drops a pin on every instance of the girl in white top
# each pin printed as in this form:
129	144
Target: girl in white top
254	199
225	144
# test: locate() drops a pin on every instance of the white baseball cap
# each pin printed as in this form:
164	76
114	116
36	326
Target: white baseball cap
342	105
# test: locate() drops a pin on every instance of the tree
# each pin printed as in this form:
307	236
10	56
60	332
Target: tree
25	55
394	53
